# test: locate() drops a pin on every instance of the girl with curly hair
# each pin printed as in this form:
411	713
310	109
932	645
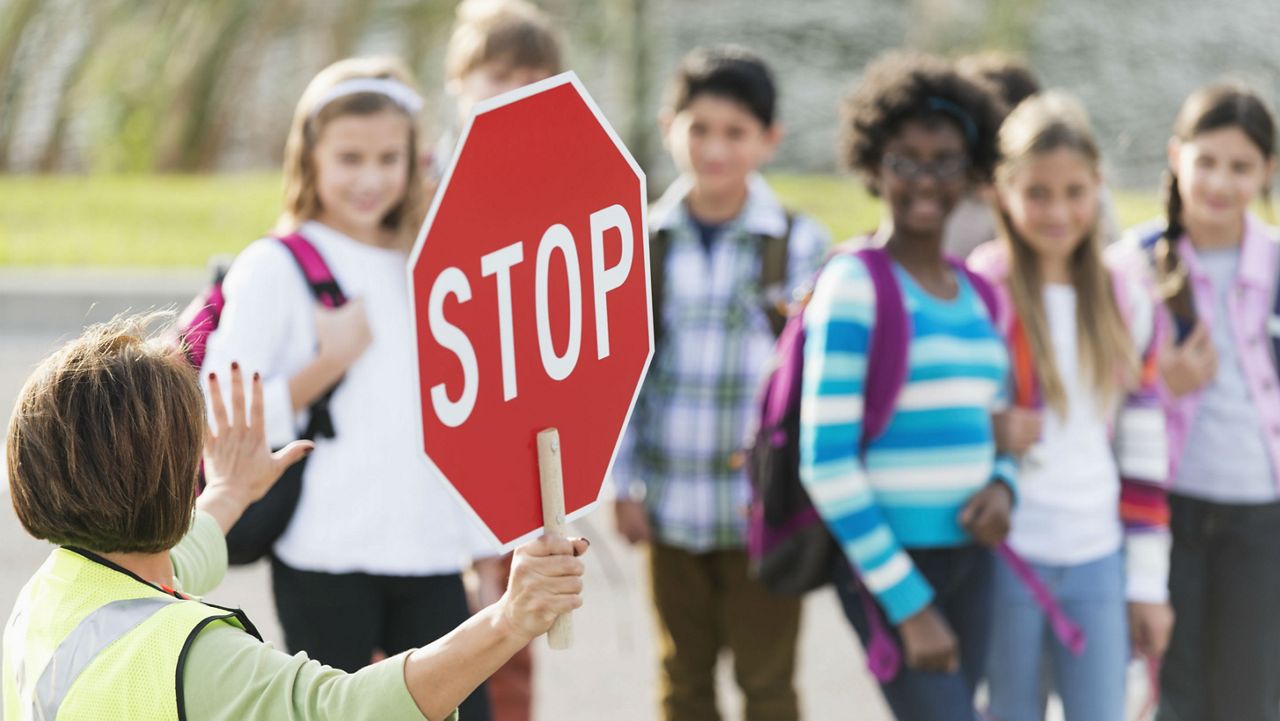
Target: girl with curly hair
916	508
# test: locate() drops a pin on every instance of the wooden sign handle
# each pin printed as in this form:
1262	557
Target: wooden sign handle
560	636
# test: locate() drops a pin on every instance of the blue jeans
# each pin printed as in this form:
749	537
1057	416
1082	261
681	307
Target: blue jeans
961	579
1022	643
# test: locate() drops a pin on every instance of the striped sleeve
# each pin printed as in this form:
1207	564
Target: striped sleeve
1142	455
837	332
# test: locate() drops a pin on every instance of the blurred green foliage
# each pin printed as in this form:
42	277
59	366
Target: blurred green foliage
183	220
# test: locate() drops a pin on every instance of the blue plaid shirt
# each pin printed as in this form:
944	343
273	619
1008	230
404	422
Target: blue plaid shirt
698	402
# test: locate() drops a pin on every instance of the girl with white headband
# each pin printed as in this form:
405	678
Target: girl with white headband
372	558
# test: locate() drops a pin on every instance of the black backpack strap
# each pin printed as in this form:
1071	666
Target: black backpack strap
659	244
324	287
774	257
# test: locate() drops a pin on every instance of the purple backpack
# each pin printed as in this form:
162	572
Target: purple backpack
790	548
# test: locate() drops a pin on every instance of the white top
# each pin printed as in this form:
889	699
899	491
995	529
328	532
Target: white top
370	503
1069	487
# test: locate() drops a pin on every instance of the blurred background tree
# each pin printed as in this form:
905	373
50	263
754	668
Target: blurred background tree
209	85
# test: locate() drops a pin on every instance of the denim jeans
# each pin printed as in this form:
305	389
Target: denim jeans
1223	662
961	579
1091	685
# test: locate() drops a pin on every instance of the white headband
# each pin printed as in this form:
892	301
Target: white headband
398	92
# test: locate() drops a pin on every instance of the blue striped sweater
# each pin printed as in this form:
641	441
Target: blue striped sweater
937	450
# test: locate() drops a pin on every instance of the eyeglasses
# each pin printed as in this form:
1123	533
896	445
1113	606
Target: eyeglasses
945	170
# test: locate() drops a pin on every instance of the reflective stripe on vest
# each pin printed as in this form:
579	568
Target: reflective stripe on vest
97	631
90	641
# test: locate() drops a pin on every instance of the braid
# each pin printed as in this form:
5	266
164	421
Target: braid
1171	271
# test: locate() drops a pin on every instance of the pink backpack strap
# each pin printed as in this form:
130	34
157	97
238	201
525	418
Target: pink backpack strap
327	293
316	272
1069	634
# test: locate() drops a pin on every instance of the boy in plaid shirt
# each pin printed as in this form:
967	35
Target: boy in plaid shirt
727	257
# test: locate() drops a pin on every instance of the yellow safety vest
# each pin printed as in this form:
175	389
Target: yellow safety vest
90	641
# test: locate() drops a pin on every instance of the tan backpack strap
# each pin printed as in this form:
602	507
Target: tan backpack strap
774	256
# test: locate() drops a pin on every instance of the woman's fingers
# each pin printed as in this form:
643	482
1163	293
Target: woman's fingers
292	453
259	421
221	425
237	397
555	566
558	585
549	546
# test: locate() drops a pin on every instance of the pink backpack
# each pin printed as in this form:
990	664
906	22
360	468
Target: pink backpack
266	519
200	318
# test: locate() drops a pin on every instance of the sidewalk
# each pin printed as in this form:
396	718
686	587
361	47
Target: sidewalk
40	300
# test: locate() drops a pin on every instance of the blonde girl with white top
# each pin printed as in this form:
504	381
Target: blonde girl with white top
372	557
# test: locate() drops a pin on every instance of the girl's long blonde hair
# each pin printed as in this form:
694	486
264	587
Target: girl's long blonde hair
301	200
1108	359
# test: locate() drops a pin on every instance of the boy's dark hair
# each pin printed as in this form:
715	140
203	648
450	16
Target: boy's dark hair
725	71
900	87
1009	76
105	441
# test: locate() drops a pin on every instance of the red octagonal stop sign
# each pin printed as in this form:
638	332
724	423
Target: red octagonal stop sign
531	301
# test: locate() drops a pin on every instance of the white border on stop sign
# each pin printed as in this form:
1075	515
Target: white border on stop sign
498	101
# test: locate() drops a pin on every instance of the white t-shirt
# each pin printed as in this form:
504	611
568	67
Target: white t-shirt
370	503
1069	486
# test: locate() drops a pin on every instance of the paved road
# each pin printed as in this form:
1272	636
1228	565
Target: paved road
610	673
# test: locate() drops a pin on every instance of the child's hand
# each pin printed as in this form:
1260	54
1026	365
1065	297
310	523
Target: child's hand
633	521
1150	625
342	334
928	642
1016	429
986	515
1190	365
239	468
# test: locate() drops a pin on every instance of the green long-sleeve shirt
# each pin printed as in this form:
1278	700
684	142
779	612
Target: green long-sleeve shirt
231	676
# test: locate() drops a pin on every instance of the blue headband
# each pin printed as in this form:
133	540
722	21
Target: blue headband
958	114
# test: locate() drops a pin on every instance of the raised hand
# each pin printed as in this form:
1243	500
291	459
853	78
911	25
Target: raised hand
239	466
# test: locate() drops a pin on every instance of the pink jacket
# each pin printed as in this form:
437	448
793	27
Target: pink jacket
1251	303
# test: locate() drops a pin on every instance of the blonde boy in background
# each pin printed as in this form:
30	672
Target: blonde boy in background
496	46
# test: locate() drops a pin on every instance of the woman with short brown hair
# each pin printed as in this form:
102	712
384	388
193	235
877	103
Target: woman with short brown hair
103	449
